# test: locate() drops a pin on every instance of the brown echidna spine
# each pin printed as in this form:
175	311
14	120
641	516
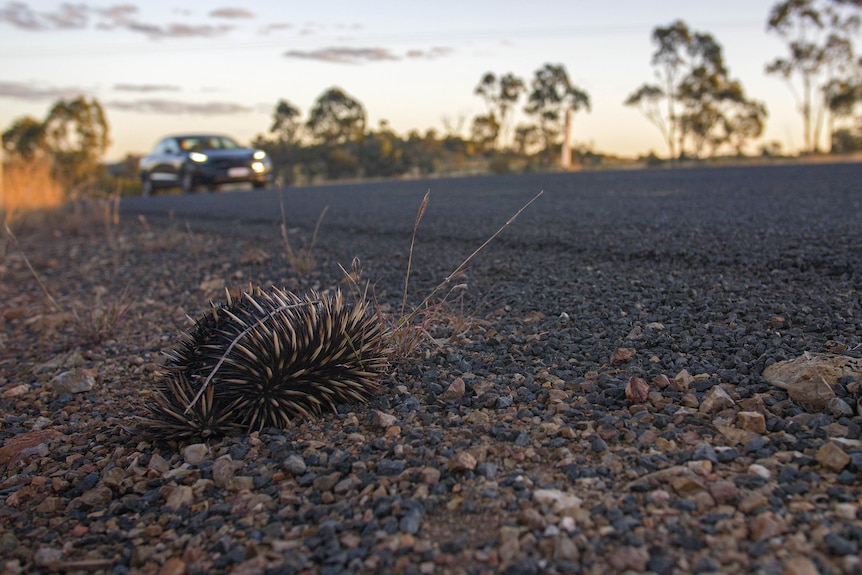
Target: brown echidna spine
267	359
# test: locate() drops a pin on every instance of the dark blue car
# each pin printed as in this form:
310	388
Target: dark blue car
191	161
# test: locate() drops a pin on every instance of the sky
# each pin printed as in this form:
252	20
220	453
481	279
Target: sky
162	67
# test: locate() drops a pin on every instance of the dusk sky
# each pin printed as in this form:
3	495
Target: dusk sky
164	67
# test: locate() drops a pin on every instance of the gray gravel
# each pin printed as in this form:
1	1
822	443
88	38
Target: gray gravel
578	410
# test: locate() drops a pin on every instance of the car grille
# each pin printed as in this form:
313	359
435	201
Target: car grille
224	163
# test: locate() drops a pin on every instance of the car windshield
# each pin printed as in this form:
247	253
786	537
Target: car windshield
196	143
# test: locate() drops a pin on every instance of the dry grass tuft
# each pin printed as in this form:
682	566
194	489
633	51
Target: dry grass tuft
302	259
102	320
410	330
29	191
93	322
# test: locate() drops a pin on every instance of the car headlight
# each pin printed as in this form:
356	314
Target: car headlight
259	155
198	157
258	167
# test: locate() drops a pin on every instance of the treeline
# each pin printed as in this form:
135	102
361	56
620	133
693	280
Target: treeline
334	141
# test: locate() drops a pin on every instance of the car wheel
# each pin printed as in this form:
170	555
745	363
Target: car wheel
187	182
146	186
258	185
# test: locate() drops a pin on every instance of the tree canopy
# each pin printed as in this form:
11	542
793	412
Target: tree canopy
696	105
820	67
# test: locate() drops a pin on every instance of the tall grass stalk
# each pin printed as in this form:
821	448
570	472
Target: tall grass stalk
404	320
302	259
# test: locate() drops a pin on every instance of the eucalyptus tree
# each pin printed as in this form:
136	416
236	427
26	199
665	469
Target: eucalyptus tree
336	118
695	103
74	136
551	94
819	36
501	94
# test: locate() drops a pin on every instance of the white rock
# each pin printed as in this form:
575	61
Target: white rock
759	470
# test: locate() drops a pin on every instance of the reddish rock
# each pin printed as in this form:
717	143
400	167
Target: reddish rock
832	457
461	461
17	446
682	381
811	378
622	355
765	526
637	390
455	390
751	421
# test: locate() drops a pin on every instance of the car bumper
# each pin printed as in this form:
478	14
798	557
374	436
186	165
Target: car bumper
231	174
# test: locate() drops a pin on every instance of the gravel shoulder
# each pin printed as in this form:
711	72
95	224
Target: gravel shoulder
591	397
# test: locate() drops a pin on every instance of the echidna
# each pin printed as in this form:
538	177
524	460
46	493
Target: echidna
266	359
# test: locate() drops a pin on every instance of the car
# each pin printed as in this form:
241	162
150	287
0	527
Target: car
193	160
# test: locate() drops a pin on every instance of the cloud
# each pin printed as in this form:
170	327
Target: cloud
177	30
146	88
176	107
25	91
78	16
276	27
344	55
22	16
432	54
231	13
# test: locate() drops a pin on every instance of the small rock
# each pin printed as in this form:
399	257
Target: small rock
48	505
810	379
832	457
840	545
16	390
294	464
461	461
429	475
629	558
839	408
180	497
510	544
557	500
661	381
759	470
622	355
73	381
19	445
455	390
800	566
326	482
687	485
751	421
716	400
96	498
752	503
46	556
224	470
173	566
159	464
765	526
411	522
532	518
565	549
723	491
384	420
659	497
196	453
637	390
682	381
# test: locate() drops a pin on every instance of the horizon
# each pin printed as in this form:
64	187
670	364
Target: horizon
159	70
